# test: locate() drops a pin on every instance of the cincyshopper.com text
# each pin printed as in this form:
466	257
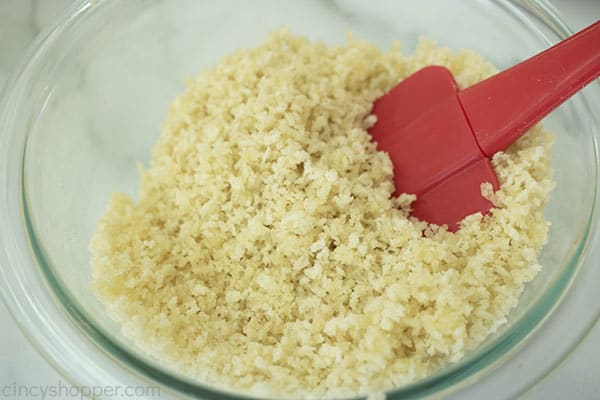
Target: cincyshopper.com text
64	391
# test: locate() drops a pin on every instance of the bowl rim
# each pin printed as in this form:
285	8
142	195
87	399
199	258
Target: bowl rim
445	380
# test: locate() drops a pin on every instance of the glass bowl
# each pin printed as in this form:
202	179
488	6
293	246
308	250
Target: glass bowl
86	106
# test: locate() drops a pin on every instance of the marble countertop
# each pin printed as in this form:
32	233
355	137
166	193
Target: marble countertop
20	23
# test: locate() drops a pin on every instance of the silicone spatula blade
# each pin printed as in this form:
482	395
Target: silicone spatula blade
441	139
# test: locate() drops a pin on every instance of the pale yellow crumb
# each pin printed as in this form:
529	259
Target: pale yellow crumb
265	252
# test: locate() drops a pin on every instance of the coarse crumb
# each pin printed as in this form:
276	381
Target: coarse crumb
265	252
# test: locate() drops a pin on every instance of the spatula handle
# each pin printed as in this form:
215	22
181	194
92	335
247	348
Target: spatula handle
502	108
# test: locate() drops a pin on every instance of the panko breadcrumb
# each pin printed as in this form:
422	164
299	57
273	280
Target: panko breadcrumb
266	254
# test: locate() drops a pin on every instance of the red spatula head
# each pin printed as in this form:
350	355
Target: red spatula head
421	125
439	139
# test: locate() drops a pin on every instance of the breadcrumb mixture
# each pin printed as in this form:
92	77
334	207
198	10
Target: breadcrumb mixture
265	252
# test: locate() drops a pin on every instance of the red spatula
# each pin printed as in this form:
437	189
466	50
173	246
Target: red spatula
440	139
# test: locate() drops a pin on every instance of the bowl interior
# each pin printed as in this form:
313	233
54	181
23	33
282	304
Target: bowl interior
106	85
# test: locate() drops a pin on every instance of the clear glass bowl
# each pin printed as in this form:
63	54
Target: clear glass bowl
87	104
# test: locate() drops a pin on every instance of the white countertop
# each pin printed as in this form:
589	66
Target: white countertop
20	364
